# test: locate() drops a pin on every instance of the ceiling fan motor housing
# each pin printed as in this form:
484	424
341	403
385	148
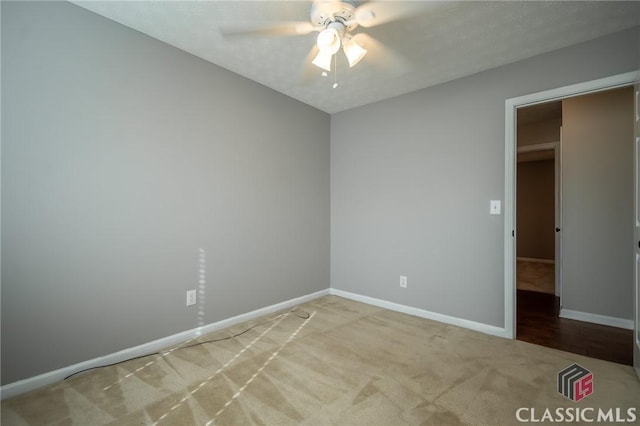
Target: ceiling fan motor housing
325	12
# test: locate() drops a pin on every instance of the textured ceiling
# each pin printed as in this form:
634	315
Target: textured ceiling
448	40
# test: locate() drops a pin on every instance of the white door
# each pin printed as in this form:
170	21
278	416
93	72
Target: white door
636	232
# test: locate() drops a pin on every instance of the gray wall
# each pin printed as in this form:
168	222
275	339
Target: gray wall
597	203
536	213
411	180
122	157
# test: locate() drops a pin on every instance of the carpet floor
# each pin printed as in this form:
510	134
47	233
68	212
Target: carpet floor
330	361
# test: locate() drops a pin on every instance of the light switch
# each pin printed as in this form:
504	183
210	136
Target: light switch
494	207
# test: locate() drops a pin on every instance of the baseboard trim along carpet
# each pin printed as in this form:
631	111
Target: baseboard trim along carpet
422	313
596	319
26	385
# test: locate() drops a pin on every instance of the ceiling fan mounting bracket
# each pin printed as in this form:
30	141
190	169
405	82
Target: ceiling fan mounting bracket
325	12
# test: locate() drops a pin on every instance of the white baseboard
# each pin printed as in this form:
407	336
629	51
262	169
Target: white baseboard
596	319
535	260
460	322
26	385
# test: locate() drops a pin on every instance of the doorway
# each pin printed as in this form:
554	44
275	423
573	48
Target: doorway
538	171
546	305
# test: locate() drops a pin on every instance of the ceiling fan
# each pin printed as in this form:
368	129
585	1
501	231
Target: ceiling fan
335	21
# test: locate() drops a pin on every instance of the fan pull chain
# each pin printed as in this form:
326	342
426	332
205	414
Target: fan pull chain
335	71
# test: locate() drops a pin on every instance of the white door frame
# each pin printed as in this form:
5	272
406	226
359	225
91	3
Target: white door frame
511	105
636	230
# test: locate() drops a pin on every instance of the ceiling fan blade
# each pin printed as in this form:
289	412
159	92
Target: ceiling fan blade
282	29
375	13
381	56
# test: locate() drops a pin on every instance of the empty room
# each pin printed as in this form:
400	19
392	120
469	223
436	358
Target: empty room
313	212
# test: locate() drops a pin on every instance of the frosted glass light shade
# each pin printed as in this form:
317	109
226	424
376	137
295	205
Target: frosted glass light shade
353	51
323	60
328	40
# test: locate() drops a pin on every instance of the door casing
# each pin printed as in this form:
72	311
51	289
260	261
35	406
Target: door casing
636	230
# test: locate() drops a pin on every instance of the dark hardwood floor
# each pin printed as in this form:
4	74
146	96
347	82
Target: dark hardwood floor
538	322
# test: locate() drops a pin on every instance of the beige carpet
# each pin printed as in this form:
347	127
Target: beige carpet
536	276
347	364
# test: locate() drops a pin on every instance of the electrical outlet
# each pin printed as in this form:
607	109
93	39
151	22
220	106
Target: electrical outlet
191	297
403	281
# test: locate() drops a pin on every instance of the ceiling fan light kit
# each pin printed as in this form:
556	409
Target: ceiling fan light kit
329	41
337	19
